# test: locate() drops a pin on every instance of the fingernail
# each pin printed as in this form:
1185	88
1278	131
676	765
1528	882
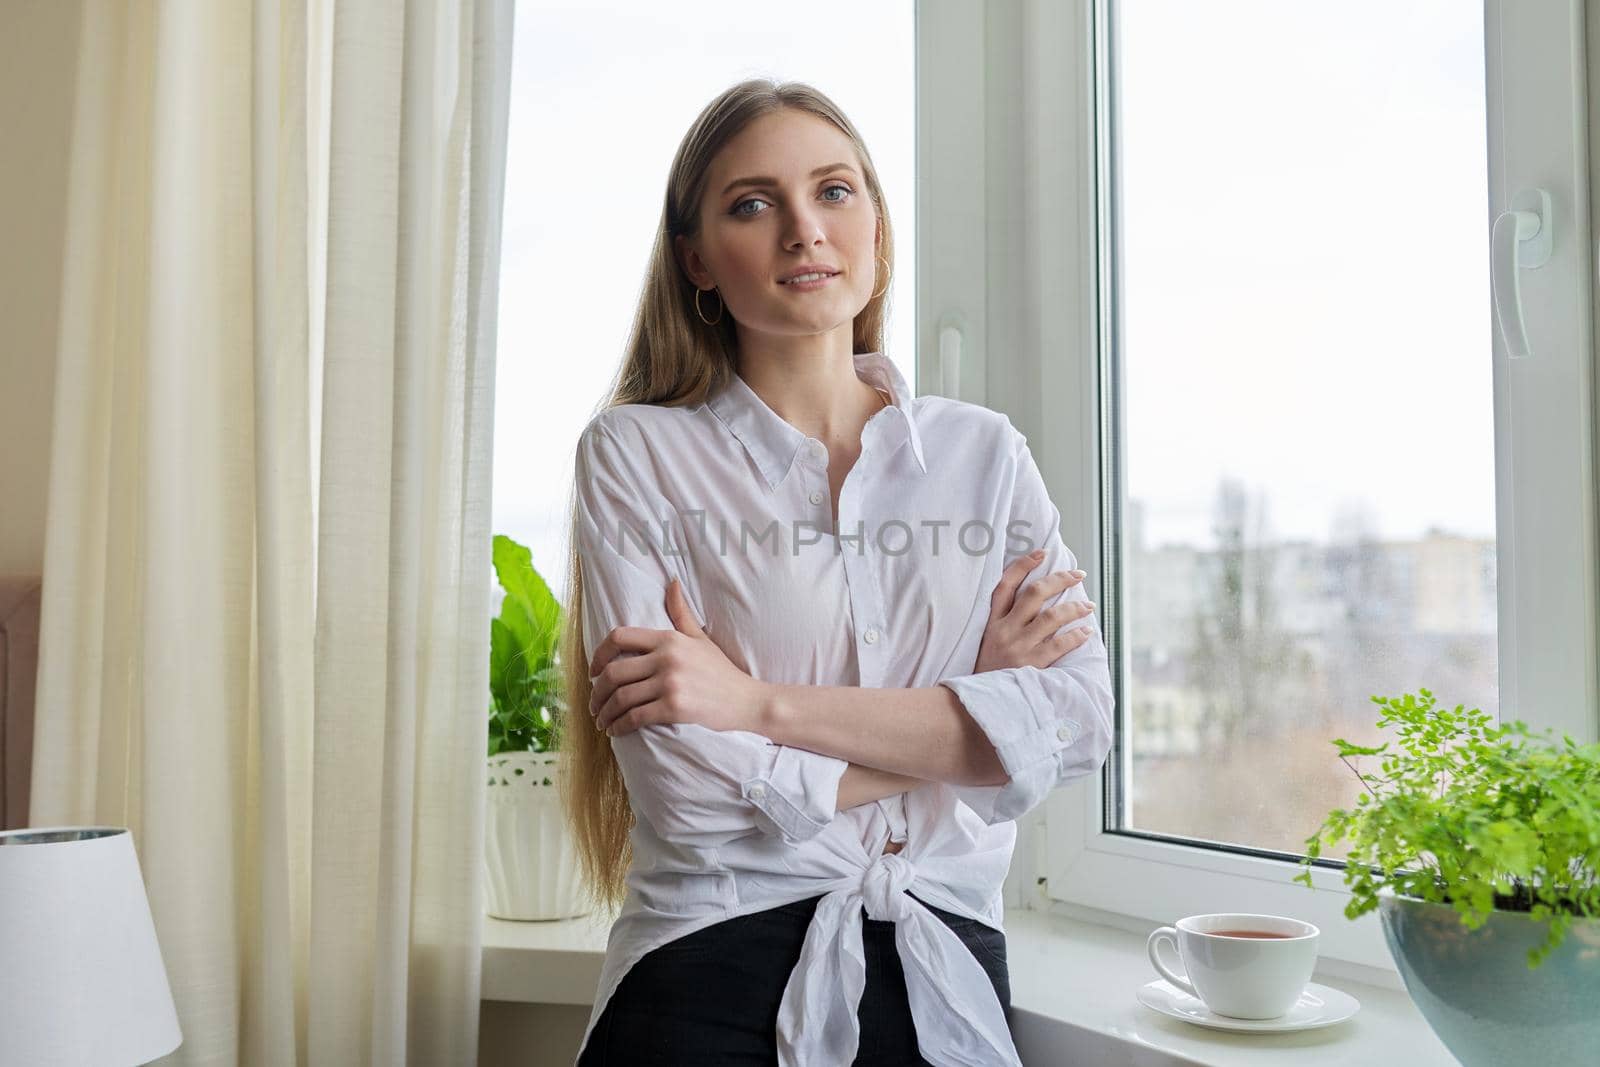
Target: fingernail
1079	574
1036	554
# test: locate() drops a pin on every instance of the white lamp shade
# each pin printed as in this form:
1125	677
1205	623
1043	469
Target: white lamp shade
81	977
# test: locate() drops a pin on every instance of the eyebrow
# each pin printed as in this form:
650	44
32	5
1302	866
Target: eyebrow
763	180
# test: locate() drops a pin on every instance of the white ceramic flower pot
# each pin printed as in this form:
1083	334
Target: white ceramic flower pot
530	862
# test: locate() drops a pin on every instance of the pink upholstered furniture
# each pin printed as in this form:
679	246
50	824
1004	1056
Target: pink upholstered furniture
19	659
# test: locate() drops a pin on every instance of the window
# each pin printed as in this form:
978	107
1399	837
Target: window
1237	293
1307	420
601	94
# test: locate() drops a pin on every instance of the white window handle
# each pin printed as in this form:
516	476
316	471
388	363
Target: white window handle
1520	238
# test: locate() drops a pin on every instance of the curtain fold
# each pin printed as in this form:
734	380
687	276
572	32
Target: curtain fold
264	631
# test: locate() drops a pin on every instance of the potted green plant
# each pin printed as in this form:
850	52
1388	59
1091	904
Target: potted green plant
1480	847
530	865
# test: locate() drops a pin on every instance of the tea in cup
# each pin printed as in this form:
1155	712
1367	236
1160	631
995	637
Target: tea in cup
1240	965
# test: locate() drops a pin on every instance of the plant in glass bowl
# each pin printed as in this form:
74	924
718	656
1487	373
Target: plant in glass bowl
530	864
1479	845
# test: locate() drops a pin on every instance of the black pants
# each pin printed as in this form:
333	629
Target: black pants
711	998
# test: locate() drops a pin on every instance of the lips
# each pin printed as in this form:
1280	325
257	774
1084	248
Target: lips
806	272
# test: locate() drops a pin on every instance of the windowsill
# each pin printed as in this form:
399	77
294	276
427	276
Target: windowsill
1072	995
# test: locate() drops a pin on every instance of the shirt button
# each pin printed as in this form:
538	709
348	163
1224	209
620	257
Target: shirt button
816	498
1065	733
758	791
871	636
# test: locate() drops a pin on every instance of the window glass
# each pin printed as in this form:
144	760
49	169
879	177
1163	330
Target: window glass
1303	331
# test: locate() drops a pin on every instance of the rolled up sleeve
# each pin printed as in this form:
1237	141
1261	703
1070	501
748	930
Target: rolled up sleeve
1048	724
690	784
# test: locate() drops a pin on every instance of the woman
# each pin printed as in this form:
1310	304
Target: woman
826	667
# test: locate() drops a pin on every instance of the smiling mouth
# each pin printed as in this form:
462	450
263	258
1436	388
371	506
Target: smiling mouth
809	279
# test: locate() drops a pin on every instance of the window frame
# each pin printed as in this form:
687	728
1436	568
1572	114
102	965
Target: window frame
1011	256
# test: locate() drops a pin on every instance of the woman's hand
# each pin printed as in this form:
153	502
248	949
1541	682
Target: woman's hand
1019	634
681	676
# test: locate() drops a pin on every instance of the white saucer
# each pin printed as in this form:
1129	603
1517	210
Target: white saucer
1319	1005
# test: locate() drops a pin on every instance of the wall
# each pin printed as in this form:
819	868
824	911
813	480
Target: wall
530	1035
38	48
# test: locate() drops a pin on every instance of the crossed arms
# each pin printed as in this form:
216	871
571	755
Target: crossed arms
1001	738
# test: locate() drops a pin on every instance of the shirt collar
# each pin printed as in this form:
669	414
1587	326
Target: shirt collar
773	442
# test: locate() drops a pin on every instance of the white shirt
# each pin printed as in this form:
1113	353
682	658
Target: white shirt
734	501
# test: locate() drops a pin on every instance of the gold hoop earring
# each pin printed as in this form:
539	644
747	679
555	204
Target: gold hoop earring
702	314
886	280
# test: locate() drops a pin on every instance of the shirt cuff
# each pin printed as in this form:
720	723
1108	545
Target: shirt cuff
799	794
1001	703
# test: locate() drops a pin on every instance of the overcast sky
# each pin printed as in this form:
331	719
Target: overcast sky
1305	218
1304	221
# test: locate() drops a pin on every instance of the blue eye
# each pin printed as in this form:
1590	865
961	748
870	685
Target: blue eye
737	213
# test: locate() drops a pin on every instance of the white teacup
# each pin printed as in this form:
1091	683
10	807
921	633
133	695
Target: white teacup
1241	965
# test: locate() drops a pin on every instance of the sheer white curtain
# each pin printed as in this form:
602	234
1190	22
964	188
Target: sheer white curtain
266	592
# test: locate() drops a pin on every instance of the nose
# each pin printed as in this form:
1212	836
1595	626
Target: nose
804	228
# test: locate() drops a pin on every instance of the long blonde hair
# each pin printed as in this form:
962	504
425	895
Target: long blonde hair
674	358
